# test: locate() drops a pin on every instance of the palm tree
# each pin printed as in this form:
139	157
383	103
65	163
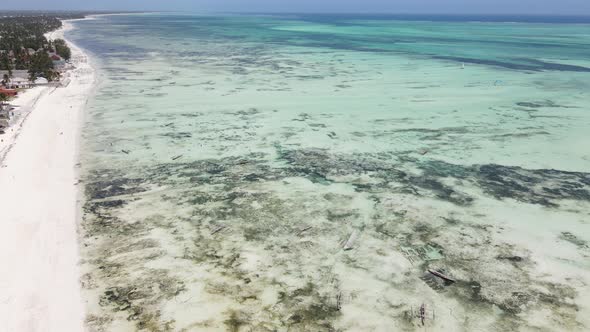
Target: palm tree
3	99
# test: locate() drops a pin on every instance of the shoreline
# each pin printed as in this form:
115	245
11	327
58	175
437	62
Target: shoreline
40	289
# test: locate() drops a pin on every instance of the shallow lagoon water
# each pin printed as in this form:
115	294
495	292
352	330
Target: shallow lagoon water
230	161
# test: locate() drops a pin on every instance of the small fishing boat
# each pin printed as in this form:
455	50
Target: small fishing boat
441	275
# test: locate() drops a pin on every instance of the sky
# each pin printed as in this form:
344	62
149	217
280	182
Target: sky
536	7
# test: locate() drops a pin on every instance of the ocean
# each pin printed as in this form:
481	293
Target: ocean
293	172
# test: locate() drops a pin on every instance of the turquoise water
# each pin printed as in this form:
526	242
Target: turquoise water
304	173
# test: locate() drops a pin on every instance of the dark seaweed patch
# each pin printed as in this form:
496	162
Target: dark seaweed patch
235	321
539	104
519	64
440	190
108	187
532	186
571	238
542	186
317	314
516	259
225	191
178	135
137	301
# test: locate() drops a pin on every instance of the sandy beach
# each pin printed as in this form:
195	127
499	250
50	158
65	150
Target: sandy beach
39	283
24	104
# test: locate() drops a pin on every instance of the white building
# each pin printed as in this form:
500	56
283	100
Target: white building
19	83
41	80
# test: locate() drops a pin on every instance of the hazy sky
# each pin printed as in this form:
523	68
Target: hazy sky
578	7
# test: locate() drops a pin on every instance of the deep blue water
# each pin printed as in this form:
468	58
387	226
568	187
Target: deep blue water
532	46
337	18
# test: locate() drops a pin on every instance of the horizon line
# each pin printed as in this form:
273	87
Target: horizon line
380	13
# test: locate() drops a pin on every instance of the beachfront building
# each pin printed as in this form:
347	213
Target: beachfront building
17	79
20	80
59	63
41	81
19	83
8	92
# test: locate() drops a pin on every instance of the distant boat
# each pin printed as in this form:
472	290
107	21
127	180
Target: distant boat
463	66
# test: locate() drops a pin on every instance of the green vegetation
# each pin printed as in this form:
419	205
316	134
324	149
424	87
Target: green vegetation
23	45
5	78
6	64
26	32
62	49
41	65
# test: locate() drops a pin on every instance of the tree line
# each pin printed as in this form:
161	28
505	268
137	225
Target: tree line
23	45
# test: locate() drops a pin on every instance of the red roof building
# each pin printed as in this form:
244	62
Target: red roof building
8	92
55	57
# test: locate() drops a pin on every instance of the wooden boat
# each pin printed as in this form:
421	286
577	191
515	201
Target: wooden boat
441	275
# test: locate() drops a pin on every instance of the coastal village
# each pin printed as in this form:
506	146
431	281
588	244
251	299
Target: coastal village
28	59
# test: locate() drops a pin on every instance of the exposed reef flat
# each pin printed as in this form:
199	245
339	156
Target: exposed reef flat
259	271
319	173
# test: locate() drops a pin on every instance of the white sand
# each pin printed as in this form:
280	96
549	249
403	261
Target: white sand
39	283
24	104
